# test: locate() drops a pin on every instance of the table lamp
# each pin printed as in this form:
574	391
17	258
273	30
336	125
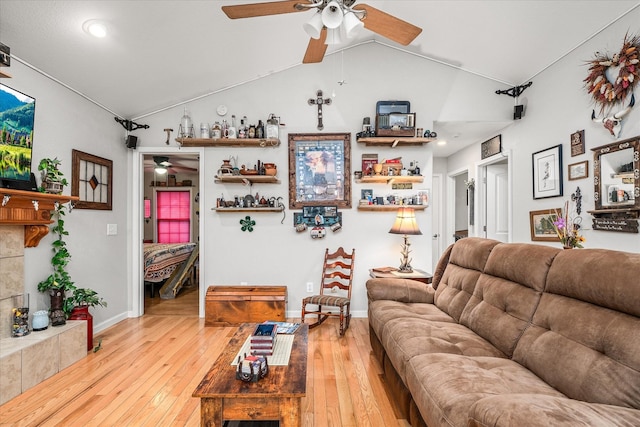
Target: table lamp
405	224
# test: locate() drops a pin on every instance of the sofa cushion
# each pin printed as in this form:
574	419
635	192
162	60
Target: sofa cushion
539	410
579	343
445	386
466	262
383	311
508	292
410	337
438	272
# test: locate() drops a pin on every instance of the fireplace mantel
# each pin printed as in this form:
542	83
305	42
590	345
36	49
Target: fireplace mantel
31	209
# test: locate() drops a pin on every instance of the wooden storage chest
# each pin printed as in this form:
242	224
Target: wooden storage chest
233	305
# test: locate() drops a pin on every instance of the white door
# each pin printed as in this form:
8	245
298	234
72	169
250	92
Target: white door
497	205
436	223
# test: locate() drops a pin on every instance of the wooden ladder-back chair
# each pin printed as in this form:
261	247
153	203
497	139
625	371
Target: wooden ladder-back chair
335	289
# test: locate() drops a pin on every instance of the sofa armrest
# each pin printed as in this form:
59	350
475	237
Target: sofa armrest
401	290
523	409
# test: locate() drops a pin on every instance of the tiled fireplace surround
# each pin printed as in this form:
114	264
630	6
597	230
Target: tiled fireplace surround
28	360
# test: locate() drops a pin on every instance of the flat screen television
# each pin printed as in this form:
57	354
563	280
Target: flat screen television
17	115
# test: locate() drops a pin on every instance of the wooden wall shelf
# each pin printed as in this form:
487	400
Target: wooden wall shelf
4	74
228	142
389	208
225	210
389	179
31	209
240	179
394	141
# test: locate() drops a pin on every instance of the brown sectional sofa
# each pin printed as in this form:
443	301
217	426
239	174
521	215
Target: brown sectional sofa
513	334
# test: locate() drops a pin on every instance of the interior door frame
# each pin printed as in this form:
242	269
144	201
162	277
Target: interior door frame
439	206
451	204
136	220
481	204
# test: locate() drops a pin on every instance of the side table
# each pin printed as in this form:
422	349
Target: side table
386	273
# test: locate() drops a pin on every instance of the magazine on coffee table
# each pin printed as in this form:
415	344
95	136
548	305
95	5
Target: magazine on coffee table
284	327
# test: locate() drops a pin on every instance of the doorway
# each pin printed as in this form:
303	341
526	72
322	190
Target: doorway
170	234
495	202
458	208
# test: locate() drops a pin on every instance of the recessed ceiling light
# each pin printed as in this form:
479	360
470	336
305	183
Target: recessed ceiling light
96	28
442	142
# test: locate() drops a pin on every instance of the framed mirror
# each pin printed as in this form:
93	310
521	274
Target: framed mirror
617	179
319	169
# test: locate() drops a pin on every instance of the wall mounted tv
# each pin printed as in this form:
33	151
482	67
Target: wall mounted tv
17	114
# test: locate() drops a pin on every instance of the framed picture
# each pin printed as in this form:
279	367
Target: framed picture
424	196
578	170
91	181
491	147
547	172
319	169
577	143
541	224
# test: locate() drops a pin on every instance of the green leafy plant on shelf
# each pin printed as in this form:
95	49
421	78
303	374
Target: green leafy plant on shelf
53	180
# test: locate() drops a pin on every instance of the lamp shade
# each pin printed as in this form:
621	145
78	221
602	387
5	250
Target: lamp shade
405	222
314	26
332	15
352	24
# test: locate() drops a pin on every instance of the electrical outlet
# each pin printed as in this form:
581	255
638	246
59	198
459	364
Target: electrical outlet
309	286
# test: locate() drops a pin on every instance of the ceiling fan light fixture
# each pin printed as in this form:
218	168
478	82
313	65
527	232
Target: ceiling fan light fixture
332	15
352	24
160	170
334	36
314	27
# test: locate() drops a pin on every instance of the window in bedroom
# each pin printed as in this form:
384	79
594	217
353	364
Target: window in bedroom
173	213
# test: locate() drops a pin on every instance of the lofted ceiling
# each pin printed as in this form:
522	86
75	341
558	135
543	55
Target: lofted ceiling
146	62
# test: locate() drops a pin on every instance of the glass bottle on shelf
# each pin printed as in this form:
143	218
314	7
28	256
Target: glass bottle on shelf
252	131
186	125
272	129
416	171
232	129
242	132
260	130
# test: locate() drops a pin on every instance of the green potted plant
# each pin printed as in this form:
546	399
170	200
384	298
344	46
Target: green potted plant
78	306
53	180
59	282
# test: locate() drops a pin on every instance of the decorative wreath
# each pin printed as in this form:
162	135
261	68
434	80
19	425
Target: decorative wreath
607	93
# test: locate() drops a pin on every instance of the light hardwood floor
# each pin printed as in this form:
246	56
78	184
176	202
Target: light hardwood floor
149	366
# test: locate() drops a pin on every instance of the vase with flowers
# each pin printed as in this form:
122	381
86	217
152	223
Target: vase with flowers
567	228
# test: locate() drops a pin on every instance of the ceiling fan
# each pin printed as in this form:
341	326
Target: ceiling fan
162	165
332	16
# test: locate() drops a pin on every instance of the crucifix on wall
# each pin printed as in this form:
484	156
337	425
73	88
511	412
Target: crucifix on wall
319	101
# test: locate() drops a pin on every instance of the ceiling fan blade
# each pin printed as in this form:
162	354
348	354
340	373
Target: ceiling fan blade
388	25
316	49
262	9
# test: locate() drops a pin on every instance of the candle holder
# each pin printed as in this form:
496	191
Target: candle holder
20	315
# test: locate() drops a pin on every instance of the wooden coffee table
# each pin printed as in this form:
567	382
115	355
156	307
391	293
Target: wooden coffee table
276	397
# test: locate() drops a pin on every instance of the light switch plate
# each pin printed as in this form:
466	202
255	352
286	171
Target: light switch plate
112	229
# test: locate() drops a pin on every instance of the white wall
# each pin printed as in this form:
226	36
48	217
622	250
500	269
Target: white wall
557	106
66	121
